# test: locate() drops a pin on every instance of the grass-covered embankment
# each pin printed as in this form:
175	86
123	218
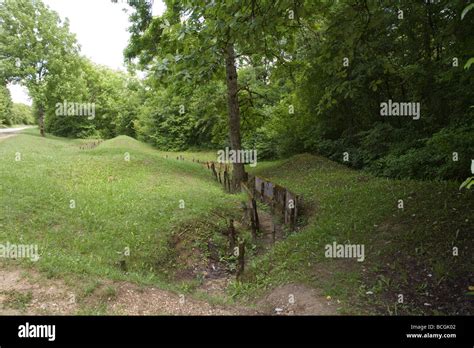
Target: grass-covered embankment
408	251
83	208
135	204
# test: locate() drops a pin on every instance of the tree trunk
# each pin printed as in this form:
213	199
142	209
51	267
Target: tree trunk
238	174
41	120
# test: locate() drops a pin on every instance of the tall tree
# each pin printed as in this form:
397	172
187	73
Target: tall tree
33	43
5	106
197	40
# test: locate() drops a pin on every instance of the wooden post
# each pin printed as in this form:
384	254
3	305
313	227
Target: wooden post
213	168
251	185
226	178
257	221
255	215
253	224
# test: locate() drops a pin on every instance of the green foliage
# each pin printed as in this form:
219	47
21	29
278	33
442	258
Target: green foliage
406	60
185	50
446	154
466	10
22	114
35	46
115	96
334	108
467	183
38	50
68	86
295	94
177	117
5	106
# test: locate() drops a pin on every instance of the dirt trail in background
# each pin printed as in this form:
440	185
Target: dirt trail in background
6	136
29	293
11	132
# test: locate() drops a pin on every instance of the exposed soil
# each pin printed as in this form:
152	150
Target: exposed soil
47	296
133	300
294	299
6	135
56	298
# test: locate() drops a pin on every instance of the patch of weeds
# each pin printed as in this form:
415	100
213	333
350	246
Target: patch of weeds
17	300
109	292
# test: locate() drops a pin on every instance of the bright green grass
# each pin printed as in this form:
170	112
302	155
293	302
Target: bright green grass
119	204
402	247
408	251
136	204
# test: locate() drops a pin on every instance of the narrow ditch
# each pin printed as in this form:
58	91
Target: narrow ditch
270	213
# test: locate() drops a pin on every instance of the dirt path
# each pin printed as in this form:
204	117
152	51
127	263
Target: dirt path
11	132
29	293
4	136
